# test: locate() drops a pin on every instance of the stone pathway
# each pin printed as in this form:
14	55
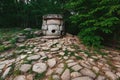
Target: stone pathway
58	59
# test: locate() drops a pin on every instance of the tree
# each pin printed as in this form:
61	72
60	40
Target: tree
96	19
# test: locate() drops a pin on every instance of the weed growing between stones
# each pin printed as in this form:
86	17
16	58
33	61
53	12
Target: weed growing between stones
14	71
50	77
1	78
65	66
71	70
54	45
39	76
75	46
66	53
111	64
27	62
45	59
30	71
87	53
79	58
2	48
118	78
97	51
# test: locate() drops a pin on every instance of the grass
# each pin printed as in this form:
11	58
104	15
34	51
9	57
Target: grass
39	76
50	77
4	48
7	33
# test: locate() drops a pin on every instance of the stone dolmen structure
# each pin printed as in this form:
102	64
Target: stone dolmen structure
52	26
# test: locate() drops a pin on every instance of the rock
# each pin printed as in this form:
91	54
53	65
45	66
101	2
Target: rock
72	64
55	49
104	68
100	78
49	72
38	33
65	57
21	38
44	58
2	66
43	54
6	72
61	65
20	77
75	74
45	48
96	69
21	45
59	45
27	29
18	51
51	62
70	49
88	72
111	75
69	61
29	52
118	74
59	70
50	56
33	57
20	57
117	65
7	62
83	78
66	75
76	67
39	67
61	53
25	67
6	43
36	50
56	77
29	77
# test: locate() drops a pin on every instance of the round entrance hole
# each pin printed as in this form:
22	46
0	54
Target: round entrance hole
53	31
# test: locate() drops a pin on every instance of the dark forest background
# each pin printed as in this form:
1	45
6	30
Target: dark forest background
96	22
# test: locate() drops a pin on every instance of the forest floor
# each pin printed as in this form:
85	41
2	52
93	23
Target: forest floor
65	58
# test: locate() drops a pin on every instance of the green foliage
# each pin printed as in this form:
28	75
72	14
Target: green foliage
95	19
3	47
39	76
13	40
26	14
8	34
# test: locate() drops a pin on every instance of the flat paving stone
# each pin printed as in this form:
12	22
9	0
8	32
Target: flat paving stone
39	67
83	78
20	77
51	62
33	57
66	75
88	72
111	75
76	67
6	72
75	74
25	67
